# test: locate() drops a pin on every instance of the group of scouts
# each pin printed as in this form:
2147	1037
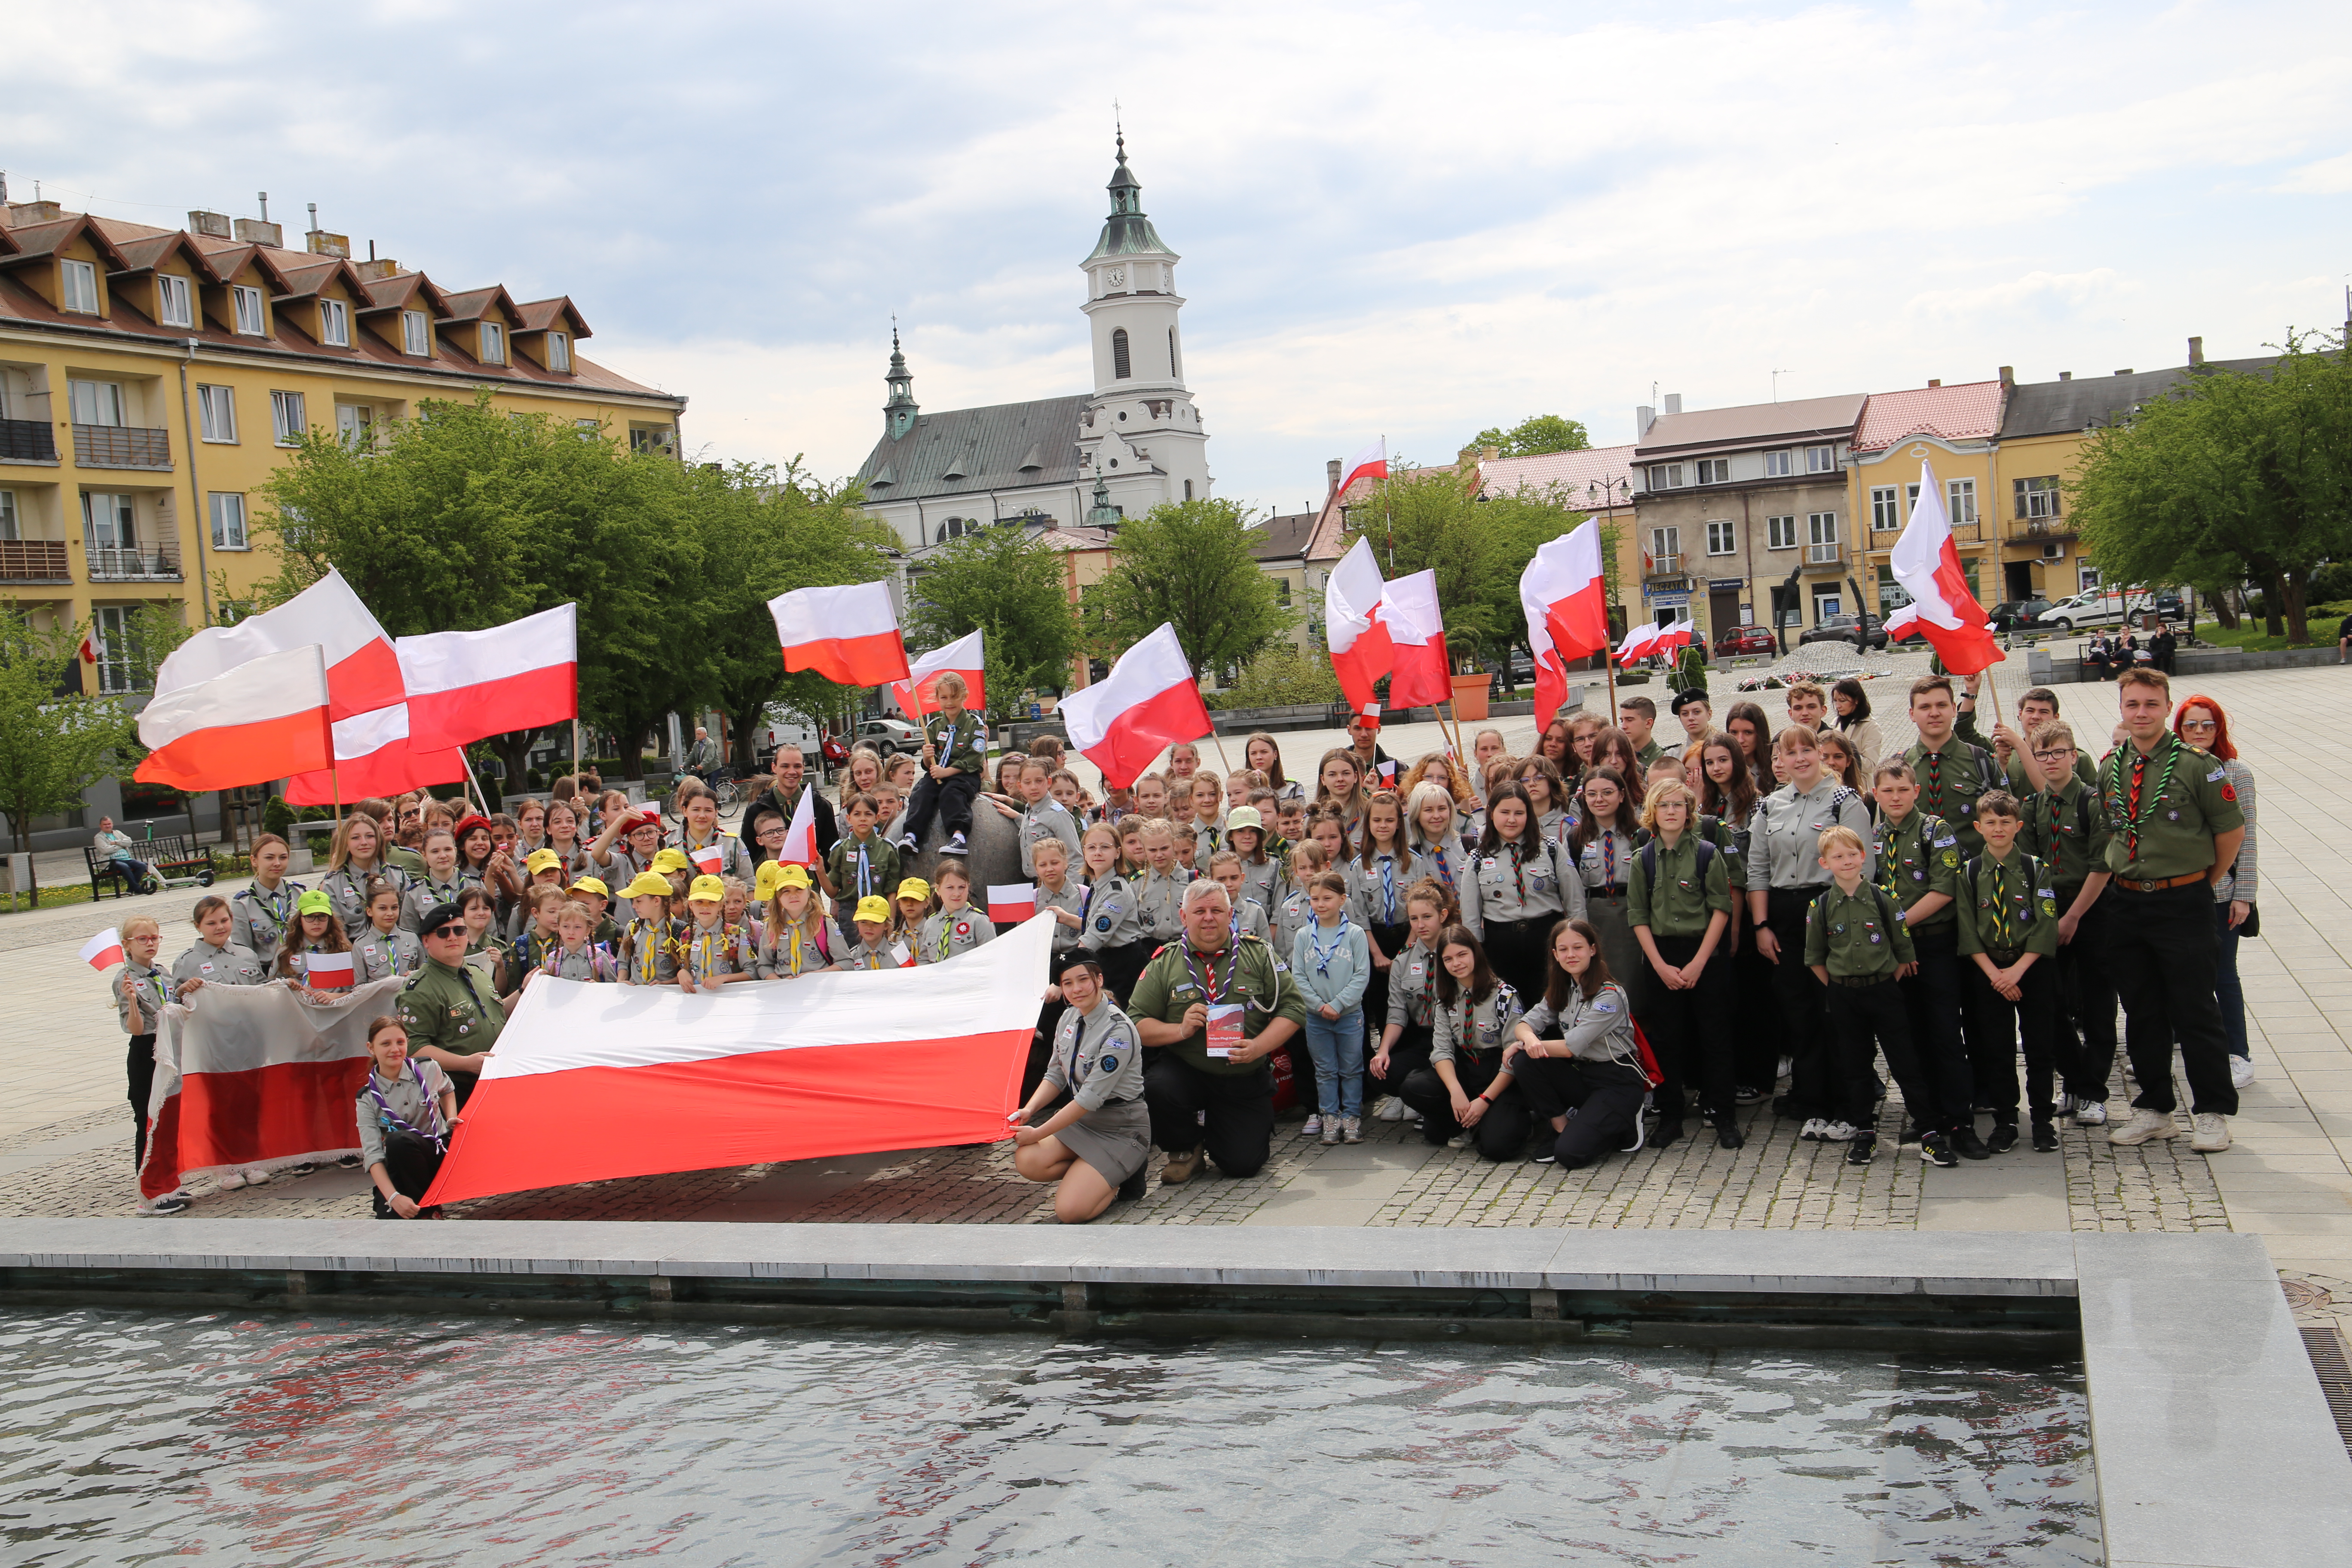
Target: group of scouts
1556	957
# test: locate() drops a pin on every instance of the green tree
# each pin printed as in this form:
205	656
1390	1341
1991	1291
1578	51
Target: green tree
1187	562
1008	584
53	742
1282	676
1533	437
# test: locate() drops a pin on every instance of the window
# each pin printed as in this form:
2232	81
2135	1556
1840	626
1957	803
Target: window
493	343
1820	460
78	287
1282	592
1910	499
107	523
1820	536
1826	605
1719	539
415	333
1885	516
1665	550
290	526
11	528
653	438
96	403
335	323
1780	533
1666	476
559	353
1960	497
229	520
1714	470
2087	577
1779	465
111	634
2037	498
1120	367
173	305
1891	594
247	302
1188	489
217	413
1175	367
354	425
287	420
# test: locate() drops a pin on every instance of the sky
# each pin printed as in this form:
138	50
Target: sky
1399	220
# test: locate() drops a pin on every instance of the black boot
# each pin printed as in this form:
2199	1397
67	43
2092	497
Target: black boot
1727	1130
1136	1185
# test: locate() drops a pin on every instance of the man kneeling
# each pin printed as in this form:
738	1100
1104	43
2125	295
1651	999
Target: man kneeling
1097	1142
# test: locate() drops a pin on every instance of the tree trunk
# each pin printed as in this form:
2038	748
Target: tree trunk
2274	603
2298	590
513	750
2225	608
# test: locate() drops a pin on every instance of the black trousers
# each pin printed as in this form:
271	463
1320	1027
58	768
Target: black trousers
1690	1032
1603	1103
1041	1047
1996	1025
1501	1132
2161	954
1864	1016
412	1163
1756	1056
1410	1055
1390	938
1240	1130
1804	1018
951	798
1933	999
139	1066
1516	950
2087	1003
1122	965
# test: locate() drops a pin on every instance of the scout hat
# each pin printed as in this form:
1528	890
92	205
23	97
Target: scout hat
672	860
1245	817
593	885
914	888
876	907
314	902
775	874
438	918
648	885
707	891
542	860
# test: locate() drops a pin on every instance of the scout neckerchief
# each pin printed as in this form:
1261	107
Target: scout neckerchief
865	867
276	902
730	936
646	939
793	928
947	741
1608	857
1444	869
438	1137
162	989
2134	816
1321	954
1213	991
1999	904
1387	888
1886	867
948	918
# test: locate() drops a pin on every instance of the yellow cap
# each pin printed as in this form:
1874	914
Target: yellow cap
593	885
707	891
648	885
672	860
542	860
777	874
876	907
914	888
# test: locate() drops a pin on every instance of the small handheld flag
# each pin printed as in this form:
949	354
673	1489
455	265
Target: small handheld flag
1010	903
102	952
328	971
706	859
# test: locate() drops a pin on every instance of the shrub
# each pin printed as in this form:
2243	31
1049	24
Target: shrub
279	817
1282	676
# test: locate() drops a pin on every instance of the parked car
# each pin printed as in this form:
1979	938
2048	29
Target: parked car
2099	607
2168	604
889	735
2012	613
1845	629
1742	640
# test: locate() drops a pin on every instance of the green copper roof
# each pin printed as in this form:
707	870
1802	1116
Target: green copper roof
1126	232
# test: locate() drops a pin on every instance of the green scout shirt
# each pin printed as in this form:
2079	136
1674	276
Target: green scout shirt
963	742
2014	769
407	859
1961	772
1679	902
1173	980
2067	832
1854	935
2008	907
1918	856
881	866
452	1008
2164	828
1650	752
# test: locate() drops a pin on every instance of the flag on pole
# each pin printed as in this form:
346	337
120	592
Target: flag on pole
1942	610
1639	642
850	635
799	837
1362	652
1564	600
1149	700
963	656
1010	903
464	686
374	756
1420	675
265	718
324	971
363	670
1371	463
102	952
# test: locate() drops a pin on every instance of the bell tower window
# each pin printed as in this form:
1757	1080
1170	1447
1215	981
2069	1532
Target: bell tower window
1175	365
1121	367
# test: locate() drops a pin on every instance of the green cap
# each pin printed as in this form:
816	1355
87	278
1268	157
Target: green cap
315	903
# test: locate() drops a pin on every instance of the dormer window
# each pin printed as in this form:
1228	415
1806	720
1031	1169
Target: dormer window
335	323
175	305
246	303
415	333
77	287
559	353
493	343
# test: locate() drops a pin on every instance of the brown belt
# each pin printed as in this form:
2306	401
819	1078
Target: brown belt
1860	981
2128	884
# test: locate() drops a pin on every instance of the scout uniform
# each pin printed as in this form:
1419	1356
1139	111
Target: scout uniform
734	860
141	994
403	858
859	869
2014	769
1676	890
1047	819
1511	901
1118	931
1449	863
587	962
2066	830
1067	939
875	909
1295	915
1859	937
794	949
424	895
2164	809
2007	909
650	951
1186	1082
1649	751
1600	868
261	916
454	1009
1950	782
1471	1034
1601	1079
959	741
376	954
718	948
230	965
1208	837
348	889
944	935
1098	1059
1784	860
1161	901
1376	892
1914	858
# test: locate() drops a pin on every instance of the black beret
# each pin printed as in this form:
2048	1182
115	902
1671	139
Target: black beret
438	916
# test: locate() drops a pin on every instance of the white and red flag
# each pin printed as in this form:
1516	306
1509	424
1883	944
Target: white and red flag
362	671
1420	676
1148	702
1362	652
263	720
706	859
374	756
915	694
463	686
1639	642
1566	602
849	633
1371	463
1942	610
324	971
104	950
1010	903
595	1081
800	835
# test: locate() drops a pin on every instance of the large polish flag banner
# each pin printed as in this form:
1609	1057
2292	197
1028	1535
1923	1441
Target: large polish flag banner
1360	650
257	1075
265	720
1147	703
591	1081
915	695
1567	608
1420	675
374	756
363	670
464	686
1942	610
850	635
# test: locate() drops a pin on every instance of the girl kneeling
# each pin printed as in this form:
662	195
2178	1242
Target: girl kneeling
407	1112
1096	1144
1575	1056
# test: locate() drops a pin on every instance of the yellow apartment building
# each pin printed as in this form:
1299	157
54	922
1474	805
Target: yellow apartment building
1956	430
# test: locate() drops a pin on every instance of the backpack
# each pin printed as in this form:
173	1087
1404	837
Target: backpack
1707	849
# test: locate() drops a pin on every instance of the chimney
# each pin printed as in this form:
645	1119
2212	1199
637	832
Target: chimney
2065	375
1330	480
1933	384
321	243
20	214
259	231
1490	454
212	225
2009	375
374	270
1643	417
2196	351
2126	371
1673	403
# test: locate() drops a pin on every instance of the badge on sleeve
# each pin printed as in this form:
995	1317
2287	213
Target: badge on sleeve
2230	793
1605	1004
1111	1064
1951	859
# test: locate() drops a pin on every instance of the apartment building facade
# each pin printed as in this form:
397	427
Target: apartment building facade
1954	430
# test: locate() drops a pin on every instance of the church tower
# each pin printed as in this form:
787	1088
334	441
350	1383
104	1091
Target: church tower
1140	429
899	414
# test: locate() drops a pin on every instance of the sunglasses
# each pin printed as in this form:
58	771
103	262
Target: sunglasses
2201	724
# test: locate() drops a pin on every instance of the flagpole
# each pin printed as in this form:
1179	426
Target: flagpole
480	798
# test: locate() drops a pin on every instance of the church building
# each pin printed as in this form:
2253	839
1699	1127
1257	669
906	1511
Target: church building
1082	461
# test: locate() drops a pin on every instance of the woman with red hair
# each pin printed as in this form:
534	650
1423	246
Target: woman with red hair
2201	722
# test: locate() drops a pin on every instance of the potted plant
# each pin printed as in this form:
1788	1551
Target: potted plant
1473	692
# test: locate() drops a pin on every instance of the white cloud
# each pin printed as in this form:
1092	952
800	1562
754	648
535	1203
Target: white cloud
2328	177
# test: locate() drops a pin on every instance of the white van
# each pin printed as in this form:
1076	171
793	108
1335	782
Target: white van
2106	607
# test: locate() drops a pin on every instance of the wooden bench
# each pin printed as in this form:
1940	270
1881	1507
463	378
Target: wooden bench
174	858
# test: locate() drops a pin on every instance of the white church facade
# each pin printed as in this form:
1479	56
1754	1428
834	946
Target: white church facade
1066	463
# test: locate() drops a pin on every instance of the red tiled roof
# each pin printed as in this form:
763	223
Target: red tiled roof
1573	473
1968	412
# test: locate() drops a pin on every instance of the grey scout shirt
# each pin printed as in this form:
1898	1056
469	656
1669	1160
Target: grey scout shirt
781	958
1162	900
416	1104
1044	819
261	916
231	965
720	949
1469	1028
140	994
1097	1057
1072	897
1595	1029
347	890
1512	884
1784	835
1264	882
424	895
1114	914
1372	901
649	951
943	935
1411	1001
377	954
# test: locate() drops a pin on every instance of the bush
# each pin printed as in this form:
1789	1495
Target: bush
279	817
531	781
1689	671
1282	676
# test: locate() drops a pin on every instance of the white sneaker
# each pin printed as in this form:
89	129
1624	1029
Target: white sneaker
2090	1113
229	1180
255	1176
1459	1141
170	1202
2208	1132
1811	1131
1314	1128
1390	1109
1839	1132
2065	1106
2142	1126
2242	1071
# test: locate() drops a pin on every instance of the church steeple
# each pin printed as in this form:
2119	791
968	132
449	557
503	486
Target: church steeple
1126	232
899	414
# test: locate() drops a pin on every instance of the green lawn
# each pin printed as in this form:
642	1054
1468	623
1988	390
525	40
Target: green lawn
2250	637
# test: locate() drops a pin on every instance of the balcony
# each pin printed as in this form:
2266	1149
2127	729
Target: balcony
1968	533
33	561
1822	557
122	446
27	441
1662	567
134	563
2046	528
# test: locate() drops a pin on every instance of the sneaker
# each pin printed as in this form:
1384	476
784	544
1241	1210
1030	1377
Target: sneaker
1459	1141
2242	1071
170	1202
1861	1150
2142	1126
1180	1168
1393	1109
907	842
2065	1106
2090	1113
2208	1132
1314	1125
1842	1132
2045	1138
1811	1131
1967	1144
1786	1065
1935	1148
955	845
1351	1130
1727	1132
2003	1139
1749	1094
348	1163
1331	1130
1135	1185
229	1180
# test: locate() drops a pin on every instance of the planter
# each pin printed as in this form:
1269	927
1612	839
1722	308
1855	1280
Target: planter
1470	697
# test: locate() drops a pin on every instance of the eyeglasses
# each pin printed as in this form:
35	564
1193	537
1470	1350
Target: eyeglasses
2201	723
2054	756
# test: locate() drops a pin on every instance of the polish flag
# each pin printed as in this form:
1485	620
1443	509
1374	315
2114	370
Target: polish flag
1927	566
362	671
1010	903
850	635
595	1081
706	859
1149	701
328	971
1566	602
800	838
373	757
1361	651
463	686
102	952
1676	636
903	955
1422	676
963	656
1640	641
1371	463
266	718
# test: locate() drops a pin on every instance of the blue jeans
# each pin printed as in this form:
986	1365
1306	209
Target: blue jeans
1338	1046
2226	989
136	870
